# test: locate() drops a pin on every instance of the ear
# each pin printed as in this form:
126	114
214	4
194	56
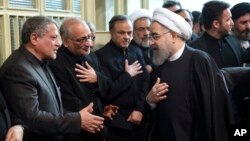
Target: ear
174	35
65	42
34	38
216	24
196	25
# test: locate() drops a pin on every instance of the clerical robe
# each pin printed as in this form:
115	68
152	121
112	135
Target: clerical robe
197	106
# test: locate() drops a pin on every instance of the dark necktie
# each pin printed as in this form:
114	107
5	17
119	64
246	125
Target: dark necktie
46	71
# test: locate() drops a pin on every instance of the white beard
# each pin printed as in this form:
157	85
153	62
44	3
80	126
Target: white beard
145	44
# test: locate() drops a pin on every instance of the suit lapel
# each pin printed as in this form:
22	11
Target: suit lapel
57	89
40	72
233	47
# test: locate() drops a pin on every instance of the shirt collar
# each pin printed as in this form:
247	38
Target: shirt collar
177	55
244	44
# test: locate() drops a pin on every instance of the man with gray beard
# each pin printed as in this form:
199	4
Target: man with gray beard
241	29
241	17
189	100
141	20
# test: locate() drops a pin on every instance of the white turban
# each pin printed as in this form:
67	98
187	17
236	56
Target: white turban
173	22
141	13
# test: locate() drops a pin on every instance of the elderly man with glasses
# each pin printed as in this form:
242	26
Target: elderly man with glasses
78	74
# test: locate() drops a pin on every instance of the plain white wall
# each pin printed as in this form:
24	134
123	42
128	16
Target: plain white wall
192	5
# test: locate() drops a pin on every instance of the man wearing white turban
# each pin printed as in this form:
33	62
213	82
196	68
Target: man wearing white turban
189	98
141	20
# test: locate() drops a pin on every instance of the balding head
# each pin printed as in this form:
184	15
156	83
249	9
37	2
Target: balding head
69	26
76	36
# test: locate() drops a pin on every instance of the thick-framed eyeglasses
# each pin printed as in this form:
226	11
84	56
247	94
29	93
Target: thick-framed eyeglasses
83	39
156	36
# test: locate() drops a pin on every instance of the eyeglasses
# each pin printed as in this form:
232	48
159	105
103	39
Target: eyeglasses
156	36
83	39
93	37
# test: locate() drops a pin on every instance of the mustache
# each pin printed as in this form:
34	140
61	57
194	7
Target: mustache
247	31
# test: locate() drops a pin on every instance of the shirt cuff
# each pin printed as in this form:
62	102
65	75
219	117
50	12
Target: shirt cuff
151	105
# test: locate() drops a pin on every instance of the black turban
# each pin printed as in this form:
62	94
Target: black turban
240	9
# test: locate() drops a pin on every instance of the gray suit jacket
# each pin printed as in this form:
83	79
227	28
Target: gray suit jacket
30	96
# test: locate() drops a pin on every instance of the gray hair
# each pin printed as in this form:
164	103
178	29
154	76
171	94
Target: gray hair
37	25
65	29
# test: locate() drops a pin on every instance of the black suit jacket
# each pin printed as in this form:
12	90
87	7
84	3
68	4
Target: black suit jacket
129	93
75	94
4	118
201	43
31	97
7	120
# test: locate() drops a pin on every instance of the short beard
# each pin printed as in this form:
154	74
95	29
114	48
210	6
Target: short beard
145	44
142	43
159	57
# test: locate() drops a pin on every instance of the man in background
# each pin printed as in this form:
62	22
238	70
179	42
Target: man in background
188	17
141	20
124	65
93	36
172	5
241	29
197	31
216	40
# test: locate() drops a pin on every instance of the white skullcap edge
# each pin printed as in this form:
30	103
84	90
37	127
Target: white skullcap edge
141	13
173	22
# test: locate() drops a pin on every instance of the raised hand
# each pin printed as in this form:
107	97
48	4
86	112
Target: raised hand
133	69
90	122
157	92
86	74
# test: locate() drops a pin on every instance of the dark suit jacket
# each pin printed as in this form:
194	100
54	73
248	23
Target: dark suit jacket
7	120
75	94
201	43
241	97
147	53
31	97
126	92
4	118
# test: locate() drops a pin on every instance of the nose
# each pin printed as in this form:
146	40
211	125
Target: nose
127	36
151	42
57	42
232	22
92	43
248	25
147	31
89	42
